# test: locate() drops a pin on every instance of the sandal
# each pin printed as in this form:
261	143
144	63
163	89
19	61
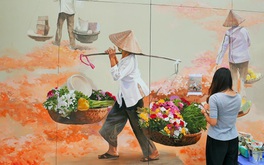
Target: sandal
108	156
147	159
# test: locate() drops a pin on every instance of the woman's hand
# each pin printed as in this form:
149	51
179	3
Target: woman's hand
111	52
112	56
205	111
205	107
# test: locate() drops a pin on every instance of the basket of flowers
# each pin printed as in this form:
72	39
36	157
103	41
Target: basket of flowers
73	107
252	77
172	121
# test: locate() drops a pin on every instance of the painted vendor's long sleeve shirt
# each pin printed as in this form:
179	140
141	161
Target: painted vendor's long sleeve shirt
238	41
131	85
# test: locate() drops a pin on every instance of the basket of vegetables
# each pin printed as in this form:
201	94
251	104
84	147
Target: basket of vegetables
73	107
172	121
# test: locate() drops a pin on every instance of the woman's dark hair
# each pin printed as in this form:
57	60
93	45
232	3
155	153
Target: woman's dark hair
222	80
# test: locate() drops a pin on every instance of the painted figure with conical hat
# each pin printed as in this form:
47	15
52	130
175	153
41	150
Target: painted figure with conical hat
126	41
132	90
233	19
238	41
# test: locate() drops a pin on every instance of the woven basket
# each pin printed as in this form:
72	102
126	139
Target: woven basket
169	141
81	117
244	109
253	81
242	113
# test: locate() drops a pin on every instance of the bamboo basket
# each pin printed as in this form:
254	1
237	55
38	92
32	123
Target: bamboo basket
81	117
169	141
254	80
244	110
241	113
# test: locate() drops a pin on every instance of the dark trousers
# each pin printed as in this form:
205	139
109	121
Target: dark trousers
116	121
221	152
70	25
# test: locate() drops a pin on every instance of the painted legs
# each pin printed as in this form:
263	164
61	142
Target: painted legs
70	26
239	74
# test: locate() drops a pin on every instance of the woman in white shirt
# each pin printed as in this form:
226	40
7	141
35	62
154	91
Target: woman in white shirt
238	41
130	95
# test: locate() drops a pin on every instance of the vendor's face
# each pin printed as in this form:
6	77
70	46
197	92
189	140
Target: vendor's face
120	50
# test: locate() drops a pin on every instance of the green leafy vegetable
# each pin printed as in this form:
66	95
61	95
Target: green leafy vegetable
195	119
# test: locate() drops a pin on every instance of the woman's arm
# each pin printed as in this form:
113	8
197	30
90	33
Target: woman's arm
204	111
222	50
112	56
211	121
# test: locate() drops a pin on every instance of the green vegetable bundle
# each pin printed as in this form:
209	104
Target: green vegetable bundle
195	119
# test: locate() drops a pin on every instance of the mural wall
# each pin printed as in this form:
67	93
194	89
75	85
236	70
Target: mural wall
32	64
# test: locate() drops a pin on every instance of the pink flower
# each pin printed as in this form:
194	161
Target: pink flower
181	105
159	115
174	98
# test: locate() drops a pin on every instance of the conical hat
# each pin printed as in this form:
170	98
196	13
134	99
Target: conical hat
126	41
233	19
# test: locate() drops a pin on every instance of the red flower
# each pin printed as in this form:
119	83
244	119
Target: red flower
164	115
175	116
185	101
114	98
181	123
169	126
109	94
153	116
50	94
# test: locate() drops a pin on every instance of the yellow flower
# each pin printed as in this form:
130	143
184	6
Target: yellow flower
183	131
250	71
166	129
157	111
179	116
243	101
83	104
144	116
248	77
145	110
253	76
161	101
167	111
